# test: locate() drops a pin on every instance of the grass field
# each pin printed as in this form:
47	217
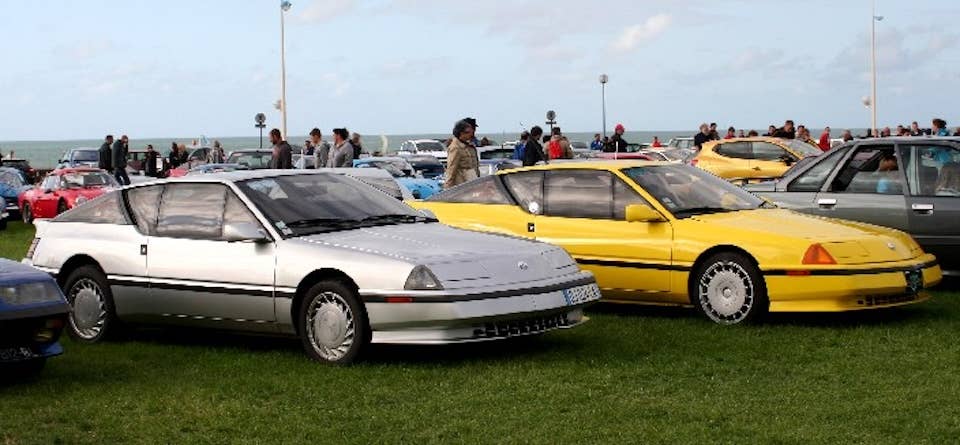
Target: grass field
630	375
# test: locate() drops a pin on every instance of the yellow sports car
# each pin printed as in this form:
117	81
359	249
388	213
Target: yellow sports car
658	233
757	158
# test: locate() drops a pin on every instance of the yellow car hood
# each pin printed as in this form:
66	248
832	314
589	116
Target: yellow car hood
848	242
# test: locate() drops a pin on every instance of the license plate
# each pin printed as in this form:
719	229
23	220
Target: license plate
16	354
914	281
581	294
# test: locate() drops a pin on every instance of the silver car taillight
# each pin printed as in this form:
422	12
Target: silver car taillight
33	247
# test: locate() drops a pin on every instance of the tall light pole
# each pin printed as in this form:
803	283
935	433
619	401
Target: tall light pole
284	7
603	100
874	18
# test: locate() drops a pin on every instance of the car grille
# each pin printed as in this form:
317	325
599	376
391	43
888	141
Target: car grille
523	326
886	300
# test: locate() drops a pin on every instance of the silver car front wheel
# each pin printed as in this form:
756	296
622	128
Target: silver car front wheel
334	325
89	296
729	289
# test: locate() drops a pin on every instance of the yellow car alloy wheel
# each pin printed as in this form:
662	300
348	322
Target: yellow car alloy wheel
729	289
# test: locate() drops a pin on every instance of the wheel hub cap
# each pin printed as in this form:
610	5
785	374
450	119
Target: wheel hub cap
726	292
89	313
330	326
86	309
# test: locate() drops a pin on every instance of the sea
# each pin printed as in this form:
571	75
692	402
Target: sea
47	154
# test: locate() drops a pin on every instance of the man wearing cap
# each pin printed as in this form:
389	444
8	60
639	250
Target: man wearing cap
617	143
463	164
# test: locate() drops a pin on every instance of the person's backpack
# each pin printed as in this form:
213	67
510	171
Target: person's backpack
554	151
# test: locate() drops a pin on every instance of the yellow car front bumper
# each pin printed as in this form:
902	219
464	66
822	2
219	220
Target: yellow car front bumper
837	290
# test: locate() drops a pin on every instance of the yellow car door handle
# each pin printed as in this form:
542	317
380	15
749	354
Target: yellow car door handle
757	168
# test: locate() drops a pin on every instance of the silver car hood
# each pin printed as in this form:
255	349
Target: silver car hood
459	258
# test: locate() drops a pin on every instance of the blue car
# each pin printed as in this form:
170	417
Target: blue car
12	184
3	214
405	174
33	312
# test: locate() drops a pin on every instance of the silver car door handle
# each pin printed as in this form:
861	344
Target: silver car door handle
827	203
925	209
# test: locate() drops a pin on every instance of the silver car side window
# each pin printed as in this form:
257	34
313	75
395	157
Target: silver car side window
143	203
193	211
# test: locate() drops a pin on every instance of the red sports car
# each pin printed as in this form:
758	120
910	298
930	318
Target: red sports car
62	190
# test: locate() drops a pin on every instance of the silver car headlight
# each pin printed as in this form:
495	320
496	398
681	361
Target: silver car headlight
30	293
422	278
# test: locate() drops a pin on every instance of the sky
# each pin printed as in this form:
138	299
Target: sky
181	68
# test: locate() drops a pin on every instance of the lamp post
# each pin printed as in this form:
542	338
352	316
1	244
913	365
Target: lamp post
284	7
259	120
603	100
874	18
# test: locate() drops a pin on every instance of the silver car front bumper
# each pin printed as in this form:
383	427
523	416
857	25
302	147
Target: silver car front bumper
472	317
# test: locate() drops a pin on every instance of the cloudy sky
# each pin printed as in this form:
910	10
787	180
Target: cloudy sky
179	68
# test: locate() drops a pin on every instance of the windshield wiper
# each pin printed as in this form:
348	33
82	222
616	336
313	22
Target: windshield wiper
701	211
314	222
395	219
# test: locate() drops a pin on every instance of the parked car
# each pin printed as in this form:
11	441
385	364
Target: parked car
301	253
404	173
136	163
380	180
23	165
254	159
80	157
492	166
671	234
33	312
431	147
752	159
12	184
216	168
62	190
910	184
631	152
682	142
426	165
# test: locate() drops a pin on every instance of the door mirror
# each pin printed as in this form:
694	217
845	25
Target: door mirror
243	232
642	213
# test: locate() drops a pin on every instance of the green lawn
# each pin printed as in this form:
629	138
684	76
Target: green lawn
630	375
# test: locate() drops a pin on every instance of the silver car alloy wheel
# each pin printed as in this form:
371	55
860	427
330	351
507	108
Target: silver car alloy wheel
89	312
330	326
726	292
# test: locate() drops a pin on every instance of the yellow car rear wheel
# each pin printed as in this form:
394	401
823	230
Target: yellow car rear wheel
728	288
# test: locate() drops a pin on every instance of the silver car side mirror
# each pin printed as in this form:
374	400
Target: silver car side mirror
243	232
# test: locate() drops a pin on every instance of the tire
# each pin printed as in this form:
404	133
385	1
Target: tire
92	317
26	214
728	289
333	324
26	370
3	224
61	207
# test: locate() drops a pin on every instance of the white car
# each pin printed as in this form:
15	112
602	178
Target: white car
430	147
312	255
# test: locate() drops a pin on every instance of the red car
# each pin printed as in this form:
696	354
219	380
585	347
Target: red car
62	190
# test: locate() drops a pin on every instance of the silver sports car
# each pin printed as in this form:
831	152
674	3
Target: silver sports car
310	254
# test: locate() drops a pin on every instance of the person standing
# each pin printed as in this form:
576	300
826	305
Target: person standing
106	156
282	158
617	143
120	149
731	133
463	164
771	131
597	143
533	151
656	143
847	136
787	131
915	129
518	150
357	146
714	135
702	137
216	156
150	162
825	139
321	148
940	128
555	146
341	155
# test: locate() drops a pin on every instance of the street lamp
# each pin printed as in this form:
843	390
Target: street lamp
284	7
259	120
603	99
874	18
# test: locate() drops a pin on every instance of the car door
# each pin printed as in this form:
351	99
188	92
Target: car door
46	197
933	202
861	191
584	213
768	160
194	273
483	205
130	281
801	190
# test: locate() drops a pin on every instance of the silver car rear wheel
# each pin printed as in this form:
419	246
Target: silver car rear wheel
333	324
729	289
92	316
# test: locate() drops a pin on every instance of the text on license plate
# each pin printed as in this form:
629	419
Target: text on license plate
16	354
581	294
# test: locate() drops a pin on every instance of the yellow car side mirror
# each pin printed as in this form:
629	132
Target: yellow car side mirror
642	213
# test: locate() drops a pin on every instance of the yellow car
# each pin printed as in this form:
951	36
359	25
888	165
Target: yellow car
671	234
757	158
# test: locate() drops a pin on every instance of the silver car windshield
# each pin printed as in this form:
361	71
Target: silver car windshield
687	191
304	204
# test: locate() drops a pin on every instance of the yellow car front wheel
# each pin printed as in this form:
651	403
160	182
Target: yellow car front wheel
729	289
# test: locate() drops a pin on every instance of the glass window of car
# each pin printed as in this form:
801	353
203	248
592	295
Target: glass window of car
738	150
813	179
430	146
485	190
623	196
579	194
802	148
11	179
237	212
765	151
51	182
527	189
932	170
253	160
87	179
144	202
872	169
105	209
192	211
303	204
86	156
687	191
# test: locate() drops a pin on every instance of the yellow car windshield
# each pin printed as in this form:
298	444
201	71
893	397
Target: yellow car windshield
687	191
